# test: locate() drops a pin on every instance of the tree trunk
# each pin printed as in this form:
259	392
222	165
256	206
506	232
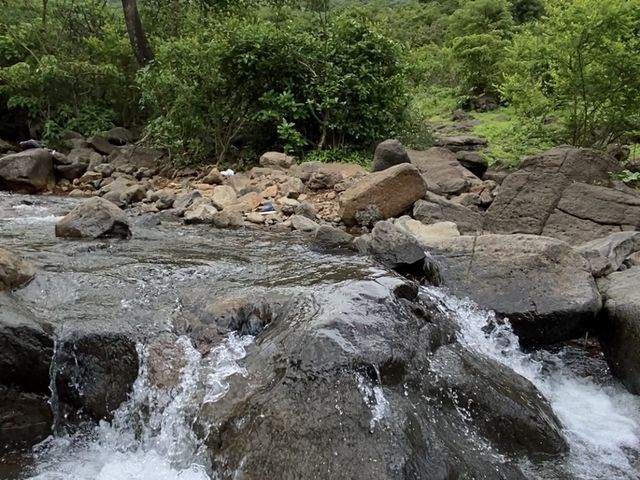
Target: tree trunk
137	37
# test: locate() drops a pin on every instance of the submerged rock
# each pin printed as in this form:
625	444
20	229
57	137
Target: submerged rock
336	389
507	407
14	270
94	372
95	218
25	419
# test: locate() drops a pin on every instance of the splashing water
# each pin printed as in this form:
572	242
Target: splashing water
151	436
599	421
373	396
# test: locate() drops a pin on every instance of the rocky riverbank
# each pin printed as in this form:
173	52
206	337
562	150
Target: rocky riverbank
553	247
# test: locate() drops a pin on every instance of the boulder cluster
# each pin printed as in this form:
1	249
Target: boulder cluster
553	246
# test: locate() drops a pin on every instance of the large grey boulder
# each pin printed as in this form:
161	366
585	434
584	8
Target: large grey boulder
388	154
123	192
435	208
86	156
386	194
439	165
14	270
555	194
30	171
135	156
277	160
474	162
26	348
70	171
619	329
95	218
363	370
606	255
541	284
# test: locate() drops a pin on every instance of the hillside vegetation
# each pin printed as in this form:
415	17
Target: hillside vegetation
225	80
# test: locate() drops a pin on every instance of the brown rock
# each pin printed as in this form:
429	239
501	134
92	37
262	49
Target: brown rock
95	218
214	177
276	160
391	192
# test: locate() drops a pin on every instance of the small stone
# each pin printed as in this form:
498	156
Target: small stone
306	210
304	224
214	177
255	217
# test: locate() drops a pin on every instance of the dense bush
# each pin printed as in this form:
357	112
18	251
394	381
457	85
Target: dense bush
232	78
71	69
580	66
254	84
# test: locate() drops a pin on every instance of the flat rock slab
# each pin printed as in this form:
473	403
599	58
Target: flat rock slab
435	208
620	326
541	284
564	193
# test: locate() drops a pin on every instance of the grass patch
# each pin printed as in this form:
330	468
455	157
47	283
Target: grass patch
509	140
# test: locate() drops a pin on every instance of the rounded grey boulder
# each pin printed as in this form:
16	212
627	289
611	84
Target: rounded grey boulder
95	218
388	154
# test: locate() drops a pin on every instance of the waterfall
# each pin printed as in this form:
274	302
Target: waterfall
151	436
600	419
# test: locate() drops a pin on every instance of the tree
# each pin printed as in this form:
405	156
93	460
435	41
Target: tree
141	48
526	10
581	66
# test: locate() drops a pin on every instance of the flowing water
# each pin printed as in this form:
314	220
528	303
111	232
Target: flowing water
144	285
600	418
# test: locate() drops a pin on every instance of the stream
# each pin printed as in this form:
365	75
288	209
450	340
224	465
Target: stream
167	275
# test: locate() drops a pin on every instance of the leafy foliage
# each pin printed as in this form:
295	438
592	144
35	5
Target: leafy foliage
70	70
254	83
581	66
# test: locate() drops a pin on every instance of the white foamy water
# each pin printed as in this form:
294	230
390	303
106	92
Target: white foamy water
600	422
151	436
373	397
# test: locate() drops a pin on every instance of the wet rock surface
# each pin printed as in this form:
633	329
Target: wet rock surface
14	270
620	330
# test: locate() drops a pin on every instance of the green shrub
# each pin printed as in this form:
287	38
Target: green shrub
581	66
75	72
255	84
